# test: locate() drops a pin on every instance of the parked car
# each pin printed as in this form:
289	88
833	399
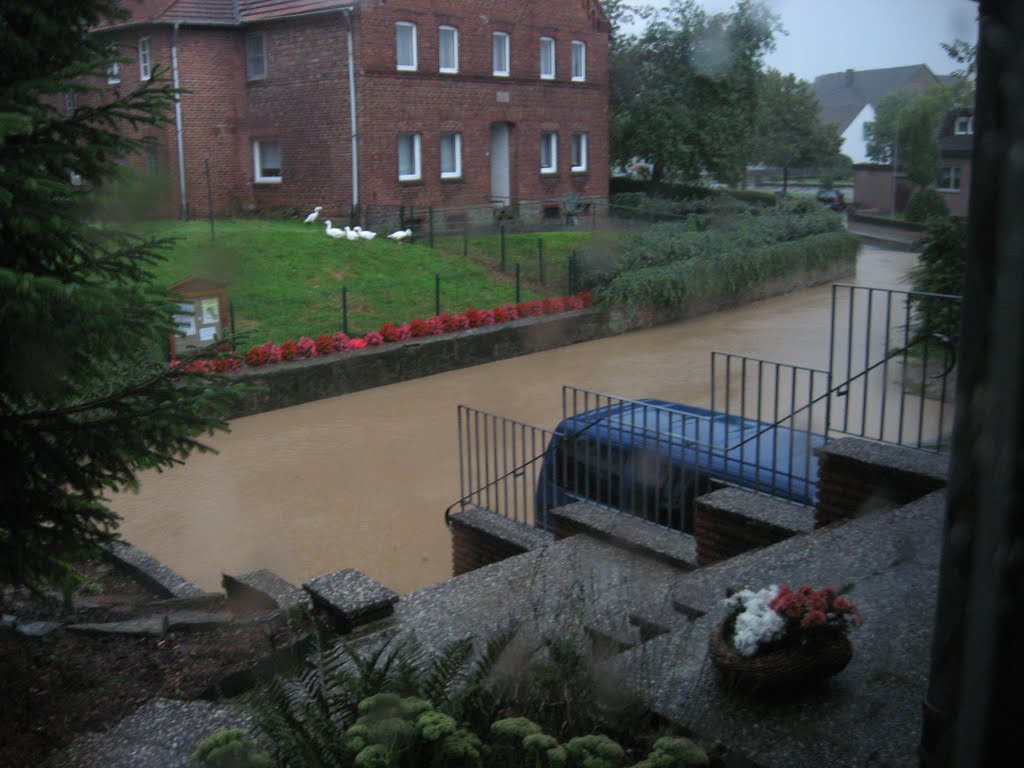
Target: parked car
833	198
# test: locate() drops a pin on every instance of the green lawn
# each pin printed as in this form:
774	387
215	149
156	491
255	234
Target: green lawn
523	249
285	278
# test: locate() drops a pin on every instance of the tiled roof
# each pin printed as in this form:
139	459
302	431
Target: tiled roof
844	94
258	10
219	11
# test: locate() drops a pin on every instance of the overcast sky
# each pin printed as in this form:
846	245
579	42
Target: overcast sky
831	36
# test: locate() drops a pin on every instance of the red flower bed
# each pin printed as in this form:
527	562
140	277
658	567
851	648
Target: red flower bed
389	333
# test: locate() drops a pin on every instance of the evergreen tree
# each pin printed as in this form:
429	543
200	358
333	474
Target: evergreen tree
86	398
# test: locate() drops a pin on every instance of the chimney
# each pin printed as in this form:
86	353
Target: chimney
849	77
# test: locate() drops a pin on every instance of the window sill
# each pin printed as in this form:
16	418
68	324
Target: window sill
448	71
268	181
948	191
578	80
549	174
501	74
406	69
452	179
580	171
410	182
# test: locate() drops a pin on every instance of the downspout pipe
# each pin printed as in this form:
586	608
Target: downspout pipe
183	202
354	128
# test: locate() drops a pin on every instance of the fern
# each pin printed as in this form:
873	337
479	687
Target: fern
440	678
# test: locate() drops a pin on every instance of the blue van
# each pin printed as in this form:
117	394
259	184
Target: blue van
651	458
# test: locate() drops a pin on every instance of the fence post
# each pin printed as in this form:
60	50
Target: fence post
437	294
344	310
430	225
231	316
540	259
465	240
593	216
502	235
517	283
572	273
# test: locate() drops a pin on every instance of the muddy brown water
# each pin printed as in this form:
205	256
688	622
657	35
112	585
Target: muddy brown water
362	480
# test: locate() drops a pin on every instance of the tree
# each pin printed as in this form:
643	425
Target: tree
684	92
790	133
86	400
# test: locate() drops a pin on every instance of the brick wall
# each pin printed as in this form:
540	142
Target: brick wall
482	537
857	476
731	521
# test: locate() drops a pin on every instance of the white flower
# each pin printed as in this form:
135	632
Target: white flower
756	623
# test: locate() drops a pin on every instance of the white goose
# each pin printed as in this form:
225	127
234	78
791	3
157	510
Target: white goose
400	235
313	216
351	234
367	235
333	231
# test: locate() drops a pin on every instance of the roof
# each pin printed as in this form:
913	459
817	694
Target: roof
843	95
219	12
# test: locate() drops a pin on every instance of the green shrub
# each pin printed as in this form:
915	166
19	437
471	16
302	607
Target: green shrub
941	268
925	204
728	271
230	748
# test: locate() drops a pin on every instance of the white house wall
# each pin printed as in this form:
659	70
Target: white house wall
854	145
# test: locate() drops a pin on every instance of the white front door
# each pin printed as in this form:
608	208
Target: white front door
501	176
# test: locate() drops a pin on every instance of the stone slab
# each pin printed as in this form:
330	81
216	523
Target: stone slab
153	625
350	597
674	547
160	734
934	466
151	572
761	509
197	621
37	628
521	535
263	589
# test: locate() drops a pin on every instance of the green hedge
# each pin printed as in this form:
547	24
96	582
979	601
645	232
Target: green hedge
619	185
727	272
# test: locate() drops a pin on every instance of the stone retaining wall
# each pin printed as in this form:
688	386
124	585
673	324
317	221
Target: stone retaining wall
304	381
732	521
481	537
858	476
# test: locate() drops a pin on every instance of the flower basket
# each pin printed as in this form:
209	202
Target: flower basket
798	662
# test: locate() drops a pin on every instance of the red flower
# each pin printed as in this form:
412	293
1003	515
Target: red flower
289	350
390	332
373	338
418	328
323	344
813	619
306	347
255	357
473	317
501	315
357	343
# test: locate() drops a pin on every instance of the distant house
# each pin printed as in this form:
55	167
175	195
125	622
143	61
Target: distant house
849	99
352	104
956	136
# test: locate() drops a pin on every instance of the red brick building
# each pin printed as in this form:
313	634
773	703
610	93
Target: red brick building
444	103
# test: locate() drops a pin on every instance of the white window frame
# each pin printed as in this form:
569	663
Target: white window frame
501	41
416	157
580	140
579	74
407	67
963	126
114	73
949	173
450	70
549	44
550	140
457	153
249	73
257	162
145	59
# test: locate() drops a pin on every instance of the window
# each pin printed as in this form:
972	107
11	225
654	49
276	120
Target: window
548	152
152	147
447	49
949	179
451	155
266	157
114	73
70	102
964	126
255	57
579	152
579	60
499	46
547	58
145	63
408	156
405	45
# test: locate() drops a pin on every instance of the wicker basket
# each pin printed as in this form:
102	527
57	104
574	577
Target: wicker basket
821	655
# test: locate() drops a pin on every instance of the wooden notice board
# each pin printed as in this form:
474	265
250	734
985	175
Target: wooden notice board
202	314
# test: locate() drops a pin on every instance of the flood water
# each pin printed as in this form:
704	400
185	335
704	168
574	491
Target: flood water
362	480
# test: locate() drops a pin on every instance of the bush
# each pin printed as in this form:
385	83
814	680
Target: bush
727	271
687	192
925	204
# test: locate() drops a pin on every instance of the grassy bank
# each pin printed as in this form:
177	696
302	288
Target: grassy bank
285	279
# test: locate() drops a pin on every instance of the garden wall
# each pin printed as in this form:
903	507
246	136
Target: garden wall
304	381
